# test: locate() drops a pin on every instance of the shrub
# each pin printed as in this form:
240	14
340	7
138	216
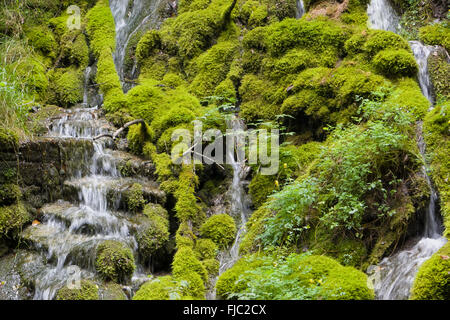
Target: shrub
220	228
114	261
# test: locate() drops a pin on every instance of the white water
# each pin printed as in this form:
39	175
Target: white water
382	16
421	53
129	19
300	9
240	204
65	242
397	273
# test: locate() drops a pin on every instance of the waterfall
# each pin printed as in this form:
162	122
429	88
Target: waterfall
382	16
240	204
299	9
397	273
131	17
87	74
421	53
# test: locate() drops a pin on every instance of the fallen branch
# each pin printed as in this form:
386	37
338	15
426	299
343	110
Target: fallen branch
119	131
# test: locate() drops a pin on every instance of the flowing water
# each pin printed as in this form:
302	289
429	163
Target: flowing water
382	16
397	273
299	9
70	231
130	18
240	204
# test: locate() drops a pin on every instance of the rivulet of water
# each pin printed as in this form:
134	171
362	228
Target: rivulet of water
421	53
299	9
382	16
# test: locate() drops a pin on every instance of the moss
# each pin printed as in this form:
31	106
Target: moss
255	226
379	40
87	291
9	194
408	96
148	44
107	77
439	69
212	266
137	136
112	291
101	28
13	217
173	80
432	281
135	198
187	267
184	236
394	63
212	68
8	139
436	34
161	288
260	188
144	100
220	228
66	86
205	249
153	234
32	71
74	48
42	39
114	261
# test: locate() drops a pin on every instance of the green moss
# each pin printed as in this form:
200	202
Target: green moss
9	194
205	249
220	228
137	136
187	267
436	34
114	261
212	266
112	291
42	39
87	291
32	71
153	233
161	288
433	278
184	236
66	86
8	139
394	63
148	44
260	188
13	217
107	77
379	40
439	69
101	28
408	96
255	227
75	49
135	198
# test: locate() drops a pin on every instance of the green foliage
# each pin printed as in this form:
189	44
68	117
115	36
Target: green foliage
114	261
394	63
298	277
137	136
408	96
220	228
439	69
87	291
433	278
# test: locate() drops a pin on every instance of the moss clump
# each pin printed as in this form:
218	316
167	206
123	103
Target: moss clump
87	291
205	249
42	39
137	136
220	228
153	233
408	96
107	77
101	28
66	87
187	267
9	194
395	63
260	188
9	140
135	198
13	217
379	40
148	44
436	34
32	71
433	279
114	261
75	50
161	288
439	70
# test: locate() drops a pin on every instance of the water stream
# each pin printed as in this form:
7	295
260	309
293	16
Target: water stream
397	272
299	9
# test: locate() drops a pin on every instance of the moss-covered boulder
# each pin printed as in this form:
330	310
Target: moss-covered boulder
114	261
432	281
187	267
88	291
220	228
394	63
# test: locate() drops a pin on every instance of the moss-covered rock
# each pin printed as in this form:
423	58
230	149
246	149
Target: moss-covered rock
161	288
220	228
205	249
436	34
42	39
135	198
13	217
114	261
394	63
87	291
66	86
9	194
432	281
187	267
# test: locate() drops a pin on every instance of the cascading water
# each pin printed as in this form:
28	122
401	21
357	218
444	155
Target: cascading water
421	53
131	17
397	273
69	233
382	16
240	204
299	9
